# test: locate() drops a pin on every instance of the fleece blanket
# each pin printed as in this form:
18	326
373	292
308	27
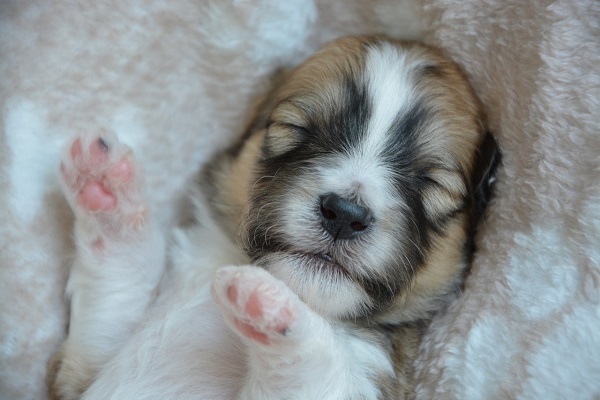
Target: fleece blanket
173	80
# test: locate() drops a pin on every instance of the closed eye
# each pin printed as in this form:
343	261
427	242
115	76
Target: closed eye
301	132
283	137
429	181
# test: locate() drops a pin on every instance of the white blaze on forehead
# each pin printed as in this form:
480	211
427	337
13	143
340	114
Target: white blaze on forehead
356	176
390	92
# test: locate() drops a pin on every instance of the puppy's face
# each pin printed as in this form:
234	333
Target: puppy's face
365	188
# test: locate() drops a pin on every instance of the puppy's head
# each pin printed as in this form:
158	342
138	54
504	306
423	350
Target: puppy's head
370	166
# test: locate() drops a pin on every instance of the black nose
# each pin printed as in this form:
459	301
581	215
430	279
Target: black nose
342	218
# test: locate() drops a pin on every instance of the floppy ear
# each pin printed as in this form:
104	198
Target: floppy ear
484	172
261	107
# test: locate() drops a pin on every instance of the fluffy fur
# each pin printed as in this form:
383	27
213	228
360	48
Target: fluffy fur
356	189
522	328
173	82
534	64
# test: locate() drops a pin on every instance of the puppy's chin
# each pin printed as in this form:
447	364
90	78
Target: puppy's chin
320	282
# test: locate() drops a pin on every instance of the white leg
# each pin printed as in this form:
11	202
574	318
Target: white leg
119	260
293	352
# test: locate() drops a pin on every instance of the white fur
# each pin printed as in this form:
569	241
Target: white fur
295	346
174	81
542	104
118	263
390	91
180	347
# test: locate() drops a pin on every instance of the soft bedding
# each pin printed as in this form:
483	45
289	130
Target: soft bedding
174	80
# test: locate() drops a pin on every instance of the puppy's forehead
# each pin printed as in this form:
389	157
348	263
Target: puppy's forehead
387	96
389	83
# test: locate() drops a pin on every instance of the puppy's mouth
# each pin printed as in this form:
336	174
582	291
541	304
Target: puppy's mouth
323	262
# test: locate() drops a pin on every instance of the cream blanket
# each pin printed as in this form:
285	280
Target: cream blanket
173	80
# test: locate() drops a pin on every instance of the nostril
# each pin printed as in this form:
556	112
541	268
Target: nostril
328	214
358	226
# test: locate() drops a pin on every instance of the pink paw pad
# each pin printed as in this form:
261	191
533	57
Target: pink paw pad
99	176
256	305
96	197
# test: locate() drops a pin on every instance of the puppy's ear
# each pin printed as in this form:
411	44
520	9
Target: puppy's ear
484	172
259	112
262	106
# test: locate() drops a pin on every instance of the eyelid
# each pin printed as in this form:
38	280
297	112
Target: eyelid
302	132
452	181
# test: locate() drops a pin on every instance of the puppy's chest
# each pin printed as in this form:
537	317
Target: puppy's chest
401	342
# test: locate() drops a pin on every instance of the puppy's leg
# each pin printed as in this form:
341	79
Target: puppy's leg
119	260
293	353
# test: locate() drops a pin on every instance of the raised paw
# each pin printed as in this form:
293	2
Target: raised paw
101	181
255	304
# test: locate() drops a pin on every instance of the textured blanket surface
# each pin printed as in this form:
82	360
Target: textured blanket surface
528	323
173	80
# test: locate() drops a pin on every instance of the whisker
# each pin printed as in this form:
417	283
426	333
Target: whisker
265	177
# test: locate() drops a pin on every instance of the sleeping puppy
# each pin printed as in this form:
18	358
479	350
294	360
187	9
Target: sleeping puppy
324	240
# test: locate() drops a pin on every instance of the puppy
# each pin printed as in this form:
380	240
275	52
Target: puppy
323	242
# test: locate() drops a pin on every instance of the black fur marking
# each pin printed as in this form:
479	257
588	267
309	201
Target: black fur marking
482	182
383	292
486	163
331	128
410	178
403	151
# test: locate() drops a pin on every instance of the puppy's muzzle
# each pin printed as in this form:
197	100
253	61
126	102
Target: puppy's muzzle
344	219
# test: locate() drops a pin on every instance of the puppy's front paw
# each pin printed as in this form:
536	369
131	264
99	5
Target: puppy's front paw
255	304
102	182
